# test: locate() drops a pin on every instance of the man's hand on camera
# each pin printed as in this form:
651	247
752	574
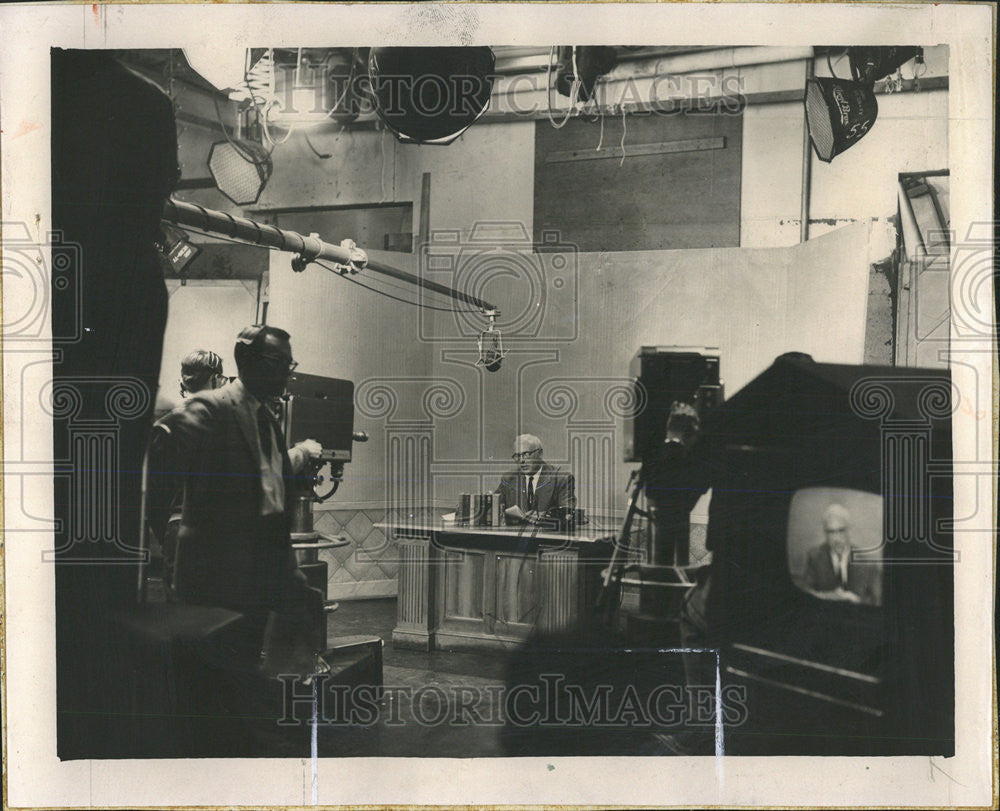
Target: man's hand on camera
311	448
308	451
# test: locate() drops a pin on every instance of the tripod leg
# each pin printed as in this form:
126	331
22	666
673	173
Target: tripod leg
608	597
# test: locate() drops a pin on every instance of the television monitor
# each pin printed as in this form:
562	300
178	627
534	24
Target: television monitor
863	662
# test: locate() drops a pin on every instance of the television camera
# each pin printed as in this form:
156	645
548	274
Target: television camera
674	387
322	409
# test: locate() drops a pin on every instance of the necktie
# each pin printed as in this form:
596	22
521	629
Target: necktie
841	566
531	493
264	430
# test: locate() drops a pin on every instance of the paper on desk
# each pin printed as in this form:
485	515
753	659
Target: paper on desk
514	513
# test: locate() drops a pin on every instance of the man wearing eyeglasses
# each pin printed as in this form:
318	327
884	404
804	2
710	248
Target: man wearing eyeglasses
234	547
536	487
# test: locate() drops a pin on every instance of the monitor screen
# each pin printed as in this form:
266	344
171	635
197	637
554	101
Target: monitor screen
834	544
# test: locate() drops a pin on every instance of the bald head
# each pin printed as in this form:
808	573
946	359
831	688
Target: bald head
528	453
836	520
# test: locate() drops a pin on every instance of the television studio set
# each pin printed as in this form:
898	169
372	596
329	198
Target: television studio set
502	401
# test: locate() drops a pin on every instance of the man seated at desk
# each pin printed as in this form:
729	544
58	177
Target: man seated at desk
831	574
536	488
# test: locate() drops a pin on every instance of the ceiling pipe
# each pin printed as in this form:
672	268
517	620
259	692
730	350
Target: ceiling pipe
307	249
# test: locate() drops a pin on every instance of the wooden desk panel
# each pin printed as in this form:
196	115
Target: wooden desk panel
492	587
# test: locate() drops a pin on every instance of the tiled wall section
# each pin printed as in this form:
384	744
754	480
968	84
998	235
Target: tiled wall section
368	567
365	568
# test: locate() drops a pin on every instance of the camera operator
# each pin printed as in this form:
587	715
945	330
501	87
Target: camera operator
201	370
234	548
673	486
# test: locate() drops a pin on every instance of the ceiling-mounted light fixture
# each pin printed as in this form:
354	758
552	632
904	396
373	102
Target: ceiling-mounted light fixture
868	65
240	170
430	95
315	86
840	112
177	249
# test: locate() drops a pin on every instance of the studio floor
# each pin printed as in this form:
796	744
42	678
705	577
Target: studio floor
461	703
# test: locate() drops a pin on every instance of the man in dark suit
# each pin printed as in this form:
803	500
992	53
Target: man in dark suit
536	487
233	546
200	370
830	573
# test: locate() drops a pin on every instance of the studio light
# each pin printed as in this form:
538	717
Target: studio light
240	170
430	95
174	245
840	112
868	65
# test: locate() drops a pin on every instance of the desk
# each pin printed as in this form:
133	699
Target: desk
491	587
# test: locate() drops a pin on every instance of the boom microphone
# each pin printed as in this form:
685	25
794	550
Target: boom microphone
491	352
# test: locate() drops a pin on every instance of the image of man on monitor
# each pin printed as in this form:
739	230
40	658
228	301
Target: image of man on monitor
830	572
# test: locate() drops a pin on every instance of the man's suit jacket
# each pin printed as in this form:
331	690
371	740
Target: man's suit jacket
556	488
862	577
228	554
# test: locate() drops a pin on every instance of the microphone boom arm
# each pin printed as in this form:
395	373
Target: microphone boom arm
307	249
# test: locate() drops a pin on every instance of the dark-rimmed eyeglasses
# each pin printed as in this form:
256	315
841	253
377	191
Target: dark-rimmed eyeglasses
279	360
525	454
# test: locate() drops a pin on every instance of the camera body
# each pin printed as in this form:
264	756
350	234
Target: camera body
661	376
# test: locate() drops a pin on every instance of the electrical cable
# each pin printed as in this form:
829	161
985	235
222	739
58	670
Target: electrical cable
200	233
321	155
347	87
386	282
254	98
267	128
573	90
624	130
381	173
395	298
241	151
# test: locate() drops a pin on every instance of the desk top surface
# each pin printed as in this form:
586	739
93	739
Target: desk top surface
586	534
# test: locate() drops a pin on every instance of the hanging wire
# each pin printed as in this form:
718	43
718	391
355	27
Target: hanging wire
394	298
381	171
199	232
321	155
347	87
262	72
573	91
213	235
624	131
830	65
267	129
249	157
